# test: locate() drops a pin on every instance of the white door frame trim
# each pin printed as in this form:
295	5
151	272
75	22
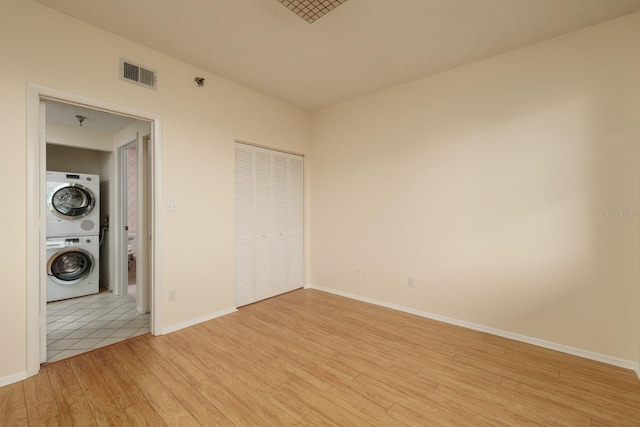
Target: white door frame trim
35	240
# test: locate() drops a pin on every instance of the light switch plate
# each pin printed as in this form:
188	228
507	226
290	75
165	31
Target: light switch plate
172	206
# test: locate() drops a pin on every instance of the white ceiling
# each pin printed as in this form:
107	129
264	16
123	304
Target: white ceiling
360	47
63	114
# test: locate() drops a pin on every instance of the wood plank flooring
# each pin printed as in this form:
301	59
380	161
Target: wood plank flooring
309	358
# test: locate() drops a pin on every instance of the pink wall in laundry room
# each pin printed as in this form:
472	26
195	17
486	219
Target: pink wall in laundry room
132	189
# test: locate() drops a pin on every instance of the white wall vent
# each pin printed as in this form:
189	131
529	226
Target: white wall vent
134	73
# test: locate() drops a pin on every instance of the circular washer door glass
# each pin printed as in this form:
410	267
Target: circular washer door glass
71	202
71	266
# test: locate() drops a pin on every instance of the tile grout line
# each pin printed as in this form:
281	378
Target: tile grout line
122	322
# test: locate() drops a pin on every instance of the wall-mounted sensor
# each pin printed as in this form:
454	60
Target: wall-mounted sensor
199	81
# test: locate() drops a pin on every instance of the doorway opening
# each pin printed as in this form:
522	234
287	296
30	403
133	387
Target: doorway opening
86	304
81	149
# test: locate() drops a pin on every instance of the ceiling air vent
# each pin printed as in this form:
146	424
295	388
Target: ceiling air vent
134	73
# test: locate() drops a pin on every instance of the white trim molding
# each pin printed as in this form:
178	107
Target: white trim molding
13	378
610	360
201	319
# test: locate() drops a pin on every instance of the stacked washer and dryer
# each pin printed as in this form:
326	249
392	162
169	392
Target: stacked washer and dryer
73	229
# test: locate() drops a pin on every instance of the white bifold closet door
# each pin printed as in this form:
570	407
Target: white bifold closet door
269	223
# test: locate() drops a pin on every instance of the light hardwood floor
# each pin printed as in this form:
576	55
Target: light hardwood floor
311	358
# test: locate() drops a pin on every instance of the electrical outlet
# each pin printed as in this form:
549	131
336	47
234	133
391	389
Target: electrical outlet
172	295
411	282
359	271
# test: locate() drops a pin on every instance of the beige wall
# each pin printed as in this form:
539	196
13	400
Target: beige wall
73	159
199	126
490	184
78	137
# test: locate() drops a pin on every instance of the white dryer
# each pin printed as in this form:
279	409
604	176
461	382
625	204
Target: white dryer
73	267
73	204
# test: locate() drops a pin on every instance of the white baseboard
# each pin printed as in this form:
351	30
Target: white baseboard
615	361
192	322
13	378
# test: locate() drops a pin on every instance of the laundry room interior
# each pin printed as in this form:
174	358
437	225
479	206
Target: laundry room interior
100	159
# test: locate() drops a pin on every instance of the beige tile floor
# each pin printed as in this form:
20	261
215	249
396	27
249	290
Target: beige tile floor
78	325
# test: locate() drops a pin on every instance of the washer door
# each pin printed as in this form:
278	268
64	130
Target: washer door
71	201
69	266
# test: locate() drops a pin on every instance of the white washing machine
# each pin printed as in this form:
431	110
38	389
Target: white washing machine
73	267
73	204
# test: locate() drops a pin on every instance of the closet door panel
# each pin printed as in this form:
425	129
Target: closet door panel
280	218
296	195
244	191
280	193
244	212
244	270
263	223
262	256
263	193
279	265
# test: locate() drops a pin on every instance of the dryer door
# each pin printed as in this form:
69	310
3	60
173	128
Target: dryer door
71	201
69	266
